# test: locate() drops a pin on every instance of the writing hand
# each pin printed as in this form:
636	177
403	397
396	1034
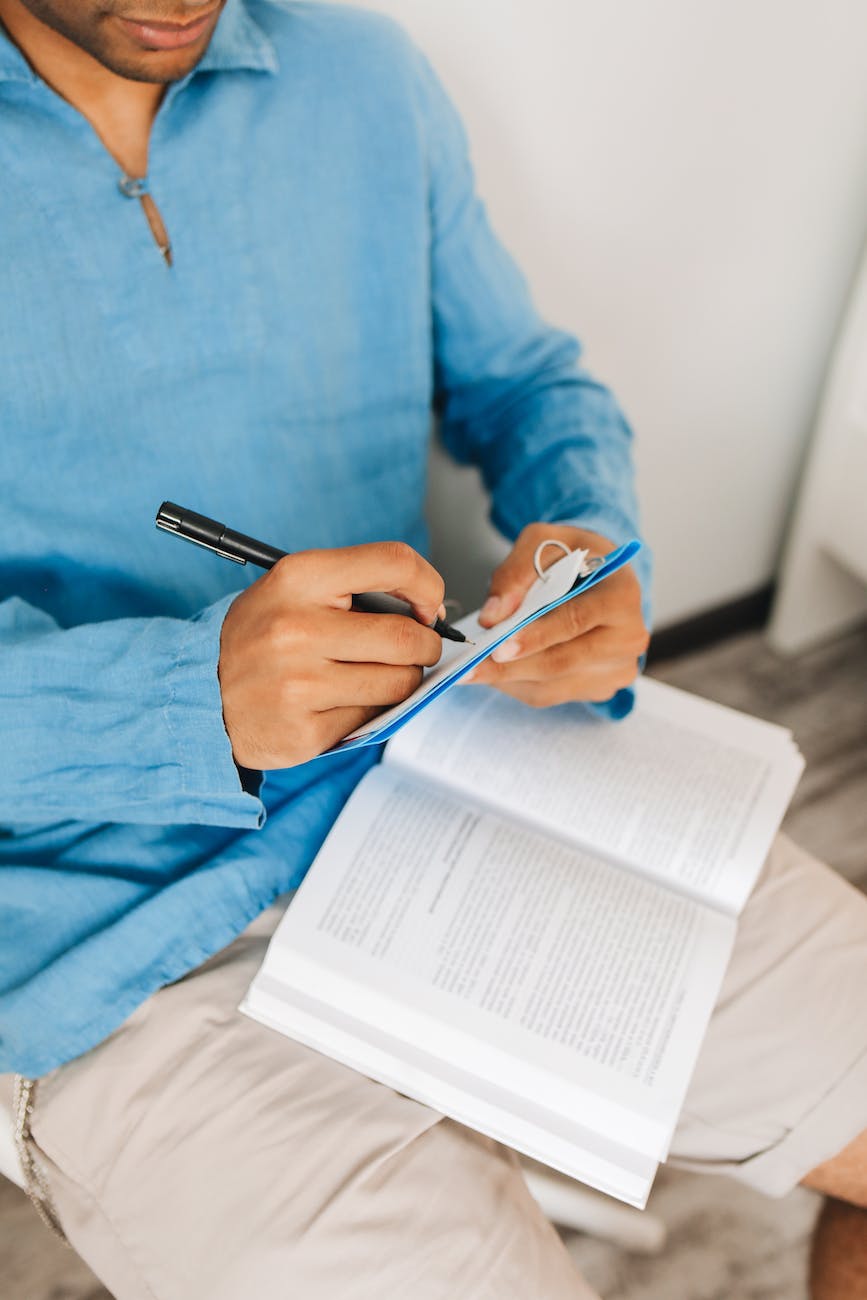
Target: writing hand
586	649
299	669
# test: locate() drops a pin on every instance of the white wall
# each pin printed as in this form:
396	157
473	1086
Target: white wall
685	182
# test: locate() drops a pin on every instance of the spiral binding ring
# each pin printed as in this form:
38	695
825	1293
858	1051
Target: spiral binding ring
591	562
537	557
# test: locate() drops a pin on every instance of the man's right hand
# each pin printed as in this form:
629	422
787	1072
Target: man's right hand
299	669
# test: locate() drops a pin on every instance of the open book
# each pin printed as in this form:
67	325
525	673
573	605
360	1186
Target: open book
523	918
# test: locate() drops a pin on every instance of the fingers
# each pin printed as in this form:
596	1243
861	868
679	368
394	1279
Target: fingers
334	724
593	685
377	639
577	618
365	684
516	575
599	652
564	659
333	576
373	686
595	623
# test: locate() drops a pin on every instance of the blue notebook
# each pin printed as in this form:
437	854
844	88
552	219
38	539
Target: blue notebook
564	580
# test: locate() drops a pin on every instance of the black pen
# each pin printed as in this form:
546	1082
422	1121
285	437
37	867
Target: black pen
246	550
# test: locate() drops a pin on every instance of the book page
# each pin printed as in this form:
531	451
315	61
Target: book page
685	791
581	989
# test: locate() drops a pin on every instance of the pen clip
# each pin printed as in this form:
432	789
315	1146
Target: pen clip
170	525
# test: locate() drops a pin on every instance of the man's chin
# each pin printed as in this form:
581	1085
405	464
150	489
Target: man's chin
159	67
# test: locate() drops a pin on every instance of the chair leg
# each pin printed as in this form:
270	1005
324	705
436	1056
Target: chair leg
571	1205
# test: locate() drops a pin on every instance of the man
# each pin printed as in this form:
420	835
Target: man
242	258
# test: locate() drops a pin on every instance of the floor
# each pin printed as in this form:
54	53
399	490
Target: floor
725	1243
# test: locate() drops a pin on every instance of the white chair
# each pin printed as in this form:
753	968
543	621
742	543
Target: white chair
823	584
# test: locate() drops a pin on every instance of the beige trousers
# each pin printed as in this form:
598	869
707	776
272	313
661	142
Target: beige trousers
196	1155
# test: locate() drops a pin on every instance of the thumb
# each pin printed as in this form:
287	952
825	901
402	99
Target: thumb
513	579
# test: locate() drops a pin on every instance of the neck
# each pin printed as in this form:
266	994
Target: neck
121	111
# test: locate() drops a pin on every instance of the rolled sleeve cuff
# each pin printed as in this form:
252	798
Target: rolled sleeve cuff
217	791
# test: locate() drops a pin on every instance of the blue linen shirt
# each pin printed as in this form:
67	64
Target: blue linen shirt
334	279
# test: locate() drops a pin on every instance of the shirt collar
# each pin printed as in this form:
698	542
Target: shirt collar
238	43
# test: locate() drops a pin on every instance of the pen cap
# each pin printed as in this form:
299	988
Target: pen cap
216	536
195	527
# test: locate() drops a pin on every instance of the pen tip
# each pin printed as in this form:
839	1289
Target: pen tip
450	633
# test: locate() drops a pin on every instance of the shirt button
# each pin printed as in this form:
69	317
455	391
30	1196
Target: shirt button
133	187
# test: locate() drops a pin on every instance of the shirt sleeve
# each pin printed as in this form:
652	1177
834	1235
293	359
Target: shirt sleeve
551	443
117	721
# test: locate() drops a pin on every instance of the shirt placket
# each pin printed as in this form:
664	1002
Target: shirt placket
139	187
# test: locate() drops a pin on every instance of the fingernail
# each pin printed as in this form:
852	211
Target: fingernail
508	650
492	609
441	612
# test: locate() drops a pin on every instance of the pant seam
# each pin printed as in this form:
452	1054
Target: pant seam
72	1174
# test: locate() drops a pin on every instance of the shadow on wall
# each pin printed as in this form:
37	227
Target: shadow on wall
465	546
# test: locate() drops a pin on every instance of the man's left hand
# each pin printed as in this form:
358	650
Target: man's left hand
587	649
